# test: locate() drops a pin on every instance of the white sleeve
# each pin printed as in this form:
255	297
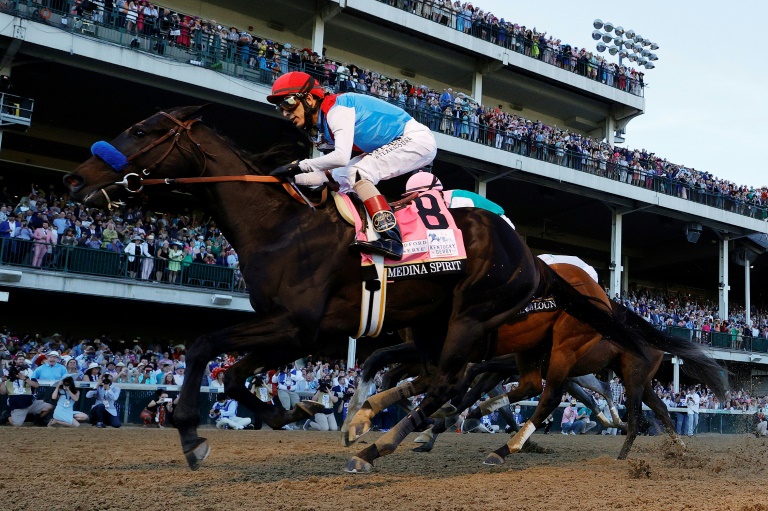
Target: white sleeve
341	123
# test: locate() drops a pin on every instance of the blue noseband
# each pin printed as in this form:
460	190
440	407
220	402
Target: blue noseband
110	155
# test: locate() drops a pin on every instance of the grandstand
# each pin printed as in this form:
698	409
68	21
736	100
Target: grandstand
90	84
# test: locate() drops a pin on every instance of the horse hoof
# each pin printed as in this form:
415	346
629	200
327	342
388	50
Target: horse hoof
493	459
358	465
196	457
423	438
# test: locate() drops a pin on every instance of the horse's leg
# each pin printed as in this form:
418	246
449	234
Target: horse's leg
660	409
275	342
634	411
361	423
529	384
403	353
550	399
504	411
234	379
590	381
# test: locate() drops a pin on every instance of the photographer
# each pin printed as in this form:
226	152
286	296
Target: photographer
344	392
324	420
156	410
104	410
19	388
224	412
761	428
66	396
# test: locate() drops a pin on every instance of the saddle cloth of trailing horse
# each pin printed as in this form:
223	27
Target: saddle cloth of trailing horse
432	243
548	303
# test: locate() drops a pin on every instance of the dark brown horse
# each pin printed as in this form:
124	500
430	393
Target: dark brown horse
555	346
305	283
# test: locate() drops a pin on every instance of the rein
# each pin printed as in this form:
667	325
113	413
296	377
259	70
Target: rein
142	179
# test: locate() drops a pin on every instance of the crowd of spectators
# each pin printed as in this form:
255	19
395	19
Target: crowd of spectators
453	113
700	316
36	224
466	18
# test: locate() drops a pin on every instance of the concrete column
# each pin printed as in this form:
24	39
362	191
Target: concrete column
676	362
610	129
615	264
351	353
481	187
318	34
723	286
747	290
477	87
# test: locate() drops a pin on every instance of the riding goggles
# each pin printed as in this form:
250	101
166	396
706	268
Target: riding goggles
289	103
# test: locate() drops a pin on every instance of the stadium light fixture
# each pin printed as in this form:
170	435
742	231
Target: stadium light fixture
626	43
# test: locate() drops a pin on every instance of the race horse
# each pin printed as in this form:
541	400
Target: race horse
304	282
552	345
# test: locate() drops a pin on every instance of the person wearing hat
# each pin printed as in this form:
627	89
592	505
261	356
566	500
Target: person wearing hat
66	396
178	378
391	141
51	370
92	372
571	424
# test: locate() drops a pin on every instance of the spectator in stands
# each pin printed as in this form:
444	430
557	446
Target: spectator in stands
66	396
692	401
44	241
224	412
178	378
92	373
217	378
104	410
52	370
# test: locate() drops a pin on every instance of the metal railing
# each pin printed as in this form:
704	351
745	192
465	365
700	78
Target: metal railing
504	35
117	265
721	340
229	58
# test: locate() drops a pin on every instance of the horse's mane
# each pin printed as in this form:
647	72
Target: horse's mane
267	160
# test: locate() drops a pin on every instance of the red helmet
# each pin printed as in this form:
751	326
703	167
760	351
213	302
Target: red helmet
293	83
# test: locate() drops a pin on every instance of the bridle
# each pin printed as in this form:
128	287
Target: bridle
134	182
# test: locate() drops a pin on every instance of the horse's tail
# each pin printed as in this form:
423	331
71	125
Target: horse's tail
591	311
698	365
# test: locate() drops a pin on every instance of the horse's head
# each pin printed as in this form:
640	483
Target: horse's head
158	147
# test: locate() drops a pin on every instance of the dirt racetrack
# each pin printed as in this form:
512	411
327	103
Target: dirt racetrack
135	468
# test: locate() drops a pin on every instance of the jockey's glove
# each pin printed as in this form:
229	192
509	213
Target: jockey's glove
311	179
287	171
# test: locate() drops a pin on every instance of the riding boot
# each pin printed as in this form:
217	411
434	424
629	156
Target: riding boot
390	243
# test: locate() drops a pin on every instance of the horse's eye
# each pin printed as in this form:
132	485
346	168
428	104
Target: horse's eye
138	132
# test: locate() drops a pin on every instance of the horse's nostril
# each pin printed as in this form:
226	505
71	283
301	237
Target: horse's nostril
73	181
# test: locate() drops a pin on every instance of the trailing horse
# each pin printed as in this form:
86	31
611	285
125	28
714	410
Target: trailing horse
552	345
305	284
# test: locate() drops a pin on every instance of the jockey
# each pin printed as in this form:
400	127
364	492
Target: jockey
423	181
392	143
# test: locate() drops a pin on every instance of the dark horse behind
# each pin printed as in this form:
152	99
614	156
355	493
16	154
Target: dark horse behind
305	284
